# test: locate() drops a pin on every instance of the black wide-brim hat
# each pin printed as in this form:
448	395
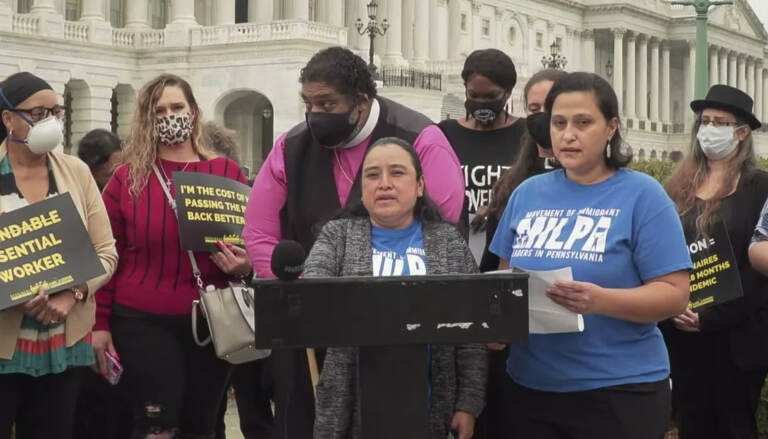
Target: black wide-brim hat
730	99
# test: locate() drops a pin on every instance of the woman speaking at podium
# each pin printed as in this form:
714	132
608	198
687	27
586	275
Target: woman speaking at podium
396	231
620	234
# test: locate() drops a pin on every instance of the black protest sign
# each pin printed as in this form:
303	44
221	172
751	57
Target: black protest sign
44	245
210	209
715	277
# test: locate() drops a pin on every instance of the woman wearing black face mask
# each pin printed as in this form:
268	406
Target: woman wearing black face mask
486	141
488	138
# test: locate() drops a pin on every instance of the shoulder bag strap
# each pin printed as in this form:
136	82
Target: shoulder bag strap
172	203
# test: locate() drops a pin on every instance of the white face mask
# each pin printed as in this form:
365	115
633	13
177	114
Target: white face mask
43	136
717	142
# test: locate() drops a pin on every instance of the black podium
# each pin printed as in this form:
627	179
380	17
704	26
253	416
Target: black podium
392	319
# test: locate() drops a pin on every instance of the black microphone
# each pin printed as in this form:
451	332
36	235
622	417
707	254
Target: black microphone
288	260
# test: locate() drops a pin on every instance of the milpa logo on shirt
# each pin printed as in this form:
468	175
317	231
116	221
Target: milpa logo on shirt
390	264
540	234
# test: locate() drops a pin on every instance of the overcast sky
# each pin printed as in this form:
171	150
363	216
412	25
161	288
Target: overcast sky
761	9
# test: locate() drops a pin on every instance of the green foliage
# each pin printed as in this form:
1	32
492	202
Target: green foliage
661	170
762	163
762	412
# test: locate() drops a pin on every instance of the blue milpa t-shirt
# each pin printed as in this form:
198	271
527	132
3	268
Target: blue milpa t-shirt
616	234
398	252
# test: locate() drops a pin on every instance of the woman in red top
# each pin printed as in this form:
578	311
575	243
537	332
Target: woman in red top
175	386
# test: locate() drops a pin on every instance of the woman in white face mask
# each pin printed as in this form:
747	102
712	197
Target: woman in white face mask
717	353
45	343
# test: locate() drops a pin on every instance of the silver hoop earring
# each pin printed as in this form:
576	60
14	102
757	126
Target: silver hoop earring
608	150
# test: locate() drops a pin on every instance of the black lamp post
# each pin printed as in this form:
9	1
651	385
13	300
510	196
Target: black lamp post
609	68
372	29
554	60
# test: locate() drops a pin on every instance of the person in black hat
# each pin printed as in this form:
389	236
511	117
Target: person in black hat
45	344
717	353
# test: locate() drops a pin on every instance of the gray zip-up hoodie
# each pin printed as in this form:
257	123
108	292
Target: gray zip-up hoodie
459	373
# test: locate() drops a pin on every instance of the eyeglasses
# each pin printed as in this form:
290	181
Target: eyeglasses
39	113
718	122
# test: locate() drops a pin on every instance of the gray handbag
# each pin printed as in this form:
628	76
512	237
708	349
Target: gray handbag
229	311
231	322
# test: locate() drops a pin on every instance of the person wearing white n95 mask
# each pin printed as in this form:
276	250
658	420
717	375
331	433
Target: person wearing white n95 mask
717	356
45	343
717	142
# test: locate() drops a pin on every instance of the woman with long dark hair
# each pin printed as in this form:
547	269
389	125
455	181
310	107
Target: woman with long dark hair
718	353
533	158
619	233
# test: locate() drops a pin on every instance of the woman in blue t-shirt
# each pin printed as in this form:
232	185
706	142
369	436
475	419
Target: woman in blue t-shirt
396	231
619	233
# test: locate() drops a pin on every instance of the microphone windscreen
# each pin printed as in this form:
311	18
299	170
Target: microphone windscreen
288	260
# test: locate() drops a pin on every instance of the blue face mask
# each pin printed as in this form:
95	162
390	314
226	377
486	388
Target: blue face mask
43	136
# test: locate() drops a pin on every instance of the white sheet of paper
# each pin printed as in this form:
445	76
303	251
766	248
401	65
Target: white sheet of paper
544	315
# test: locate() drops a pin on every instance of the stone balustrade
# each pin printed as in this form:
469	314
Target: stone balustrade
144	38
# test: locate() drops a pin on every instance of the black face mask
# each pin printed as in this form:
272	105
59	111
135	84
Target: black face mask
538	128
330	129
484	112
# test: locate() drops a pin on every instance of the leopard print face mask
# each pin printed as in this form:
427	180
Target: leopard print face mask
173	128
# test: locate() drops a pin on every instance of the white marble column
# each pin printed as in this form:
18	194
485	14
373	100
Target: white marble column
454	35
690	80
723	54
438	49
588	51
765	96
297	9
630	107
409	9
91	10
136	14
6	16
98	29
742	73
498	30
642	89
225	12
655	72
751	77
474	25
43	7
618	68
421	32
331	12
260	11
184	12
394	36
572	45
732	73
530	21
355	9
714	64
759	90
666	108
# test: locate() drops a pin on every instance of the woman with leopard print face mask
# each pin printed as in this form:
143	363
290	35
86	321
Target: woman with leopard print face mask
175	386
